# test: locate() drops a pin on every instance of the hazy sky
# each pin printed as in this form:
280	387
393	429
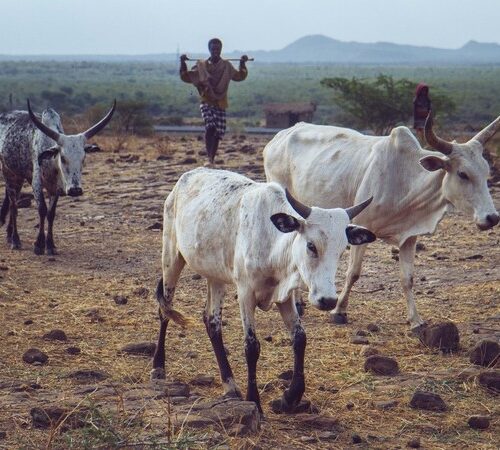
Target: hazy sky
162	26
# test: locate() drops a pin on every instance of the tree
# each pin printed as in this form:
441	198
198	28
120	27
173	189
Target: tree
382	103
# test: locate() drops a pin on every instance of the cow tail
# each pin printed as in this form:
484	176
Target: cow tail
166	310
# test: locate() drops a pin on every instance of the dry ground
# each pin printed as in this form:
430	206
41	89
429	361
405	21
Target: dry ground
106	249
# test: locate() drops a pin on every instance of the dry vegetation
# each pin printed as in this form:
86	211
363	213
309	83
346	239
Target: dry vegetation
106	249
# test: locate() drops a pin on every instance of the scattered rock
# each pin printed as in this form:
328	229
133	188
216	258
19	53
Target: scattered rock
304	406
413	443
268	338
479	422
373	328
88	375
94	315
368	350
286	375
485	353
155	226
428	401
420	247
443	336
28	322
356	439
3	434
318	422
349	406
248	149
56	335
141	292
202	380
196	276
361	333
192	355
387	404
381	365
52	416
141	348
332	390
73	350
327	435
120	299
359	340
490	379
33	355
189	160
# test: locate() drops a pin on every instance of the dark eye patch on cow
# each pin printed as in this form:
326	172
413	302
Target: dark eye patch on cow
63	159
312	248
463	175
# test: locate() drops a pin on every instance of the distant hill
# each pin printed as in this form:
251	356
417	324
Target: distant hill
322	49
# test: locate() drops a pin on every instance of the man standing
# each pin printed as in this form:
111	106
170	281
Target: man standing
211	77
421	109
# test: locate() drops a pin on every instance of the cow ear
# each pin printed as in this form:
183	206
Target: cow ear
92	148
357	235
435	162
285	223
49	153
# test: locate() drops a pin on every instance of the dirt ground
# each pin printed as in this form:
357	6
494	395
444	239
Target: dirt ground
109	245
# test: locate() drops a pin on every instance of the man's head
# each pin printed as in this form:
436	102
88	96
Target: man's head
215	49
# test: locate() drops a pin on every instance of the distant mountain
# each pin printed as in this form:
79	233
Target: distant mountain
322	49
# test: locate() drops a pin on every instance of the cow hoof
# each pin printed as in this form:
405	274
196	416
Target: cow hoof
338	318
157	374
15	245
38	250
51	251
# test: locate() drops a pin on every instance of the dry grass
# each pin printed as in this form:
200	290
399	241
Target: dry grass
106	250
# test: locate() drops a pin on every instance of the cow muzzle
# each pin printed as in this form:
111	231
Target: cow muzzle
489	222
75	191
326	303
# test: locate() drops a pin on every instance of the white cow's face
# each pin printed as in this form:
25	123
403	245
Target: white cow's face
70	159
465	183
316	250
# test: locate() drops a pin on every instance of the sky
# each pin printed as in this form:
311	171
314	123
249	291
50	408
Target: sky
167	26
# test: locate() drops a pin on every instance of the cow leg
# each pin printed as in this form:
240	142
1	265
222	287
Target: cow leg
39	246
51	248
13	190
5	208
339	314
172	263
212	318
406	265
252	345
293	395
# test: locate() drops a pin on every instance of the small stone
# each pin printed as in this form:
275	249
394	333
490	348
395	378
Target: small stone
192	355
381	365
308	439
73	350
327	435
155	226
368	350
3	434
28	322
373	328
359	340
479	422
196	276
332	390
88	375
420	247
286	375
428	401
485	353
443	336
203	380
388	404
356	439
490	380
361	333
120	299
413	443
56	335
318	422
268	338
141	349
189	160
33	355
51	416
349	406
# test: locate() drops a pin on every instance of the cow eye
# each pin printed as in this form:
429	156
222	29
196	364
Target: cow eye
63	159
312	248
463	175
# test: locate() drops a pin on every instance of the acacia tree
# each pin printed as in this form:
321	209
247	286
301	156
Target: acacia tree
382	103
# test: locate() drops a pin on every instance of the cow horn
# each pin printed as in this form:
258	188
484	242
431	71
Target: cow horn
488	132
52	134
353	211
434	141
92	131
303	210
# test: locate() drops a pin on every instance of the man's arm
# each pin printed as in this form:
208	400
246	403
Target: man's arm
183	71
242	73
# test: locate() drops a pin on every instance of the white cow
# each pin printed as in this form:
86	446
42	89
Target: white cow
331	166
231	229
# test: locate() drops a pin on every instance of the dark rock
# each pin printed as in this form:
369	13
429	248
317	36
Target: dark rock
28	322
3	434
356	438
373	328
268	338
33	355
359	340
308	439
443	336
155	226
196	276
192	355
88	375
485	353
361	333
479	422
56	335
318	422
349	406
286	375
52	416
304	406
141	348
381	365
428	401
490	379
170	388
332	390
420	247
73	350
413	443
189	160
202	380
120	299
387	404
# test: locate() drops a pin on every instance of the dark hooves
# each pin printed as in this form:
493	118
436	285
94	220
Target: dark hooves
339	318
281	406
52	251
